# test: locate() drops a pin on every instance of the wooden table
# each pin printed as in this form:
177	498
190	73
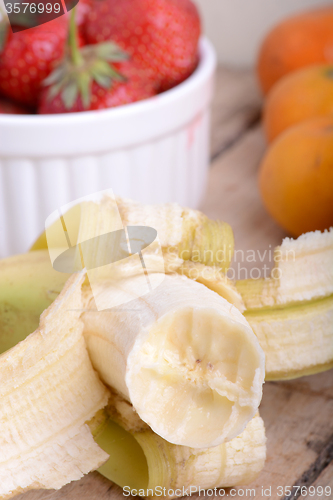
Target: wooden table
298	414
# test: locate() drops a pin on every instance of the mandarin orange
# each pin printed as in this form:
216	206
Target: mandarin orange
296	177
304	94
299	41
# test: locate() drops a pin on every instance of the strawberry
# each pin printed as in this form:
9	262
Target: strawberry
28	57
82	10
9	108
133	89
94	77
160	35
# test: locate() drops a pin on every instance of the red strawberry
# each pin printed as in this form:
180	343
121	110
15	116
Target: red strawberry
94	77
82	10
9	108
28	58
160	35
133	89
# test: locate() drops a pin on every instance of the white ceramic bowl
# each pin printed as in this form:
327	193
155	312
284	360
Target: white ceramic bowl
153	151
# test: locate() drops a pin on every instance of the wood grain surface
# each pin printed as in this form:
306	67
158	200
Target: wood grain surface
298	414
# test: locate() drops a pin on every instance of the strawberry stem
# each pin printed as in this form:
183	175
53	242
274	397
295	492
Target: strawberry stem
75	53
80	67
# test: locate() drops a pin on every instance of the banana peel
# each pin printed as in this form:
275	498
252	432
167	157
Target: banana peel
292	311
303	272
48	390
151	465
28	286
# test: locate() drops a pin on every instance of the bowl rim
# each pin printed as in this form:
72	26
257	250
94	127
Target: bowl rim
207	63
94	132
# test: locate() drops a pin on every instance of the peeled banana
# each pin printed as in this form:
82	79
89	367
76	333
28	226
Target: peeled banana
139	350
296	341
175	333
290	312
183	356
56	395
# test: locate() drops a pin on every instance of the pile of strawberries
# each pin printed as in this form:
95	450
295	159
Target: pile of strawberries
103	54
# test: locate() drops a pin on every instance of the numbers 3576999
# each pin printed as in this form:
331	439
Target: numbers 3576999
32	8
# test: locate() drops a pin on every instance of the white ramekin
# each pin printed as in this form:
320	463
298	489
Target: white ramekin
153	151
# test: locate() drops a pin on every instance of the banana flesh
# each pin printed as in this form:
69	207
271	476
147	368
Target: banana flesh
184	232
183	356
48	390
292	312
169	467
212	278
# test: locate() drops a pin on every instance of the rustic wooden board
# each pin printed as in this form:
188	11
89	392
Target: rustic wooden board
325	480
236	106
298	414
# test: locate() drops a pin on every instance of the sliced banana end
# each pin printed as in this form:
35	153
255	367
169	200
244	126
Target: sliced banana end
195	377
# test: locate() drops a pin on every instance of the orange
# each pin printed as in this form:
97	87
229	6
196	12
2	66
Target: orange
296	177
304	94
299	41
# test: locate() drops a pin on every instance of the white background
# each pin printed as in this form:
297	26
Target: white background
236	27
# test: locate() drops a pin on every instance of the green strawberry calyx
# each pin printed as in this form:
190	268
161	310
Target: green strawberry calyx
81	66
